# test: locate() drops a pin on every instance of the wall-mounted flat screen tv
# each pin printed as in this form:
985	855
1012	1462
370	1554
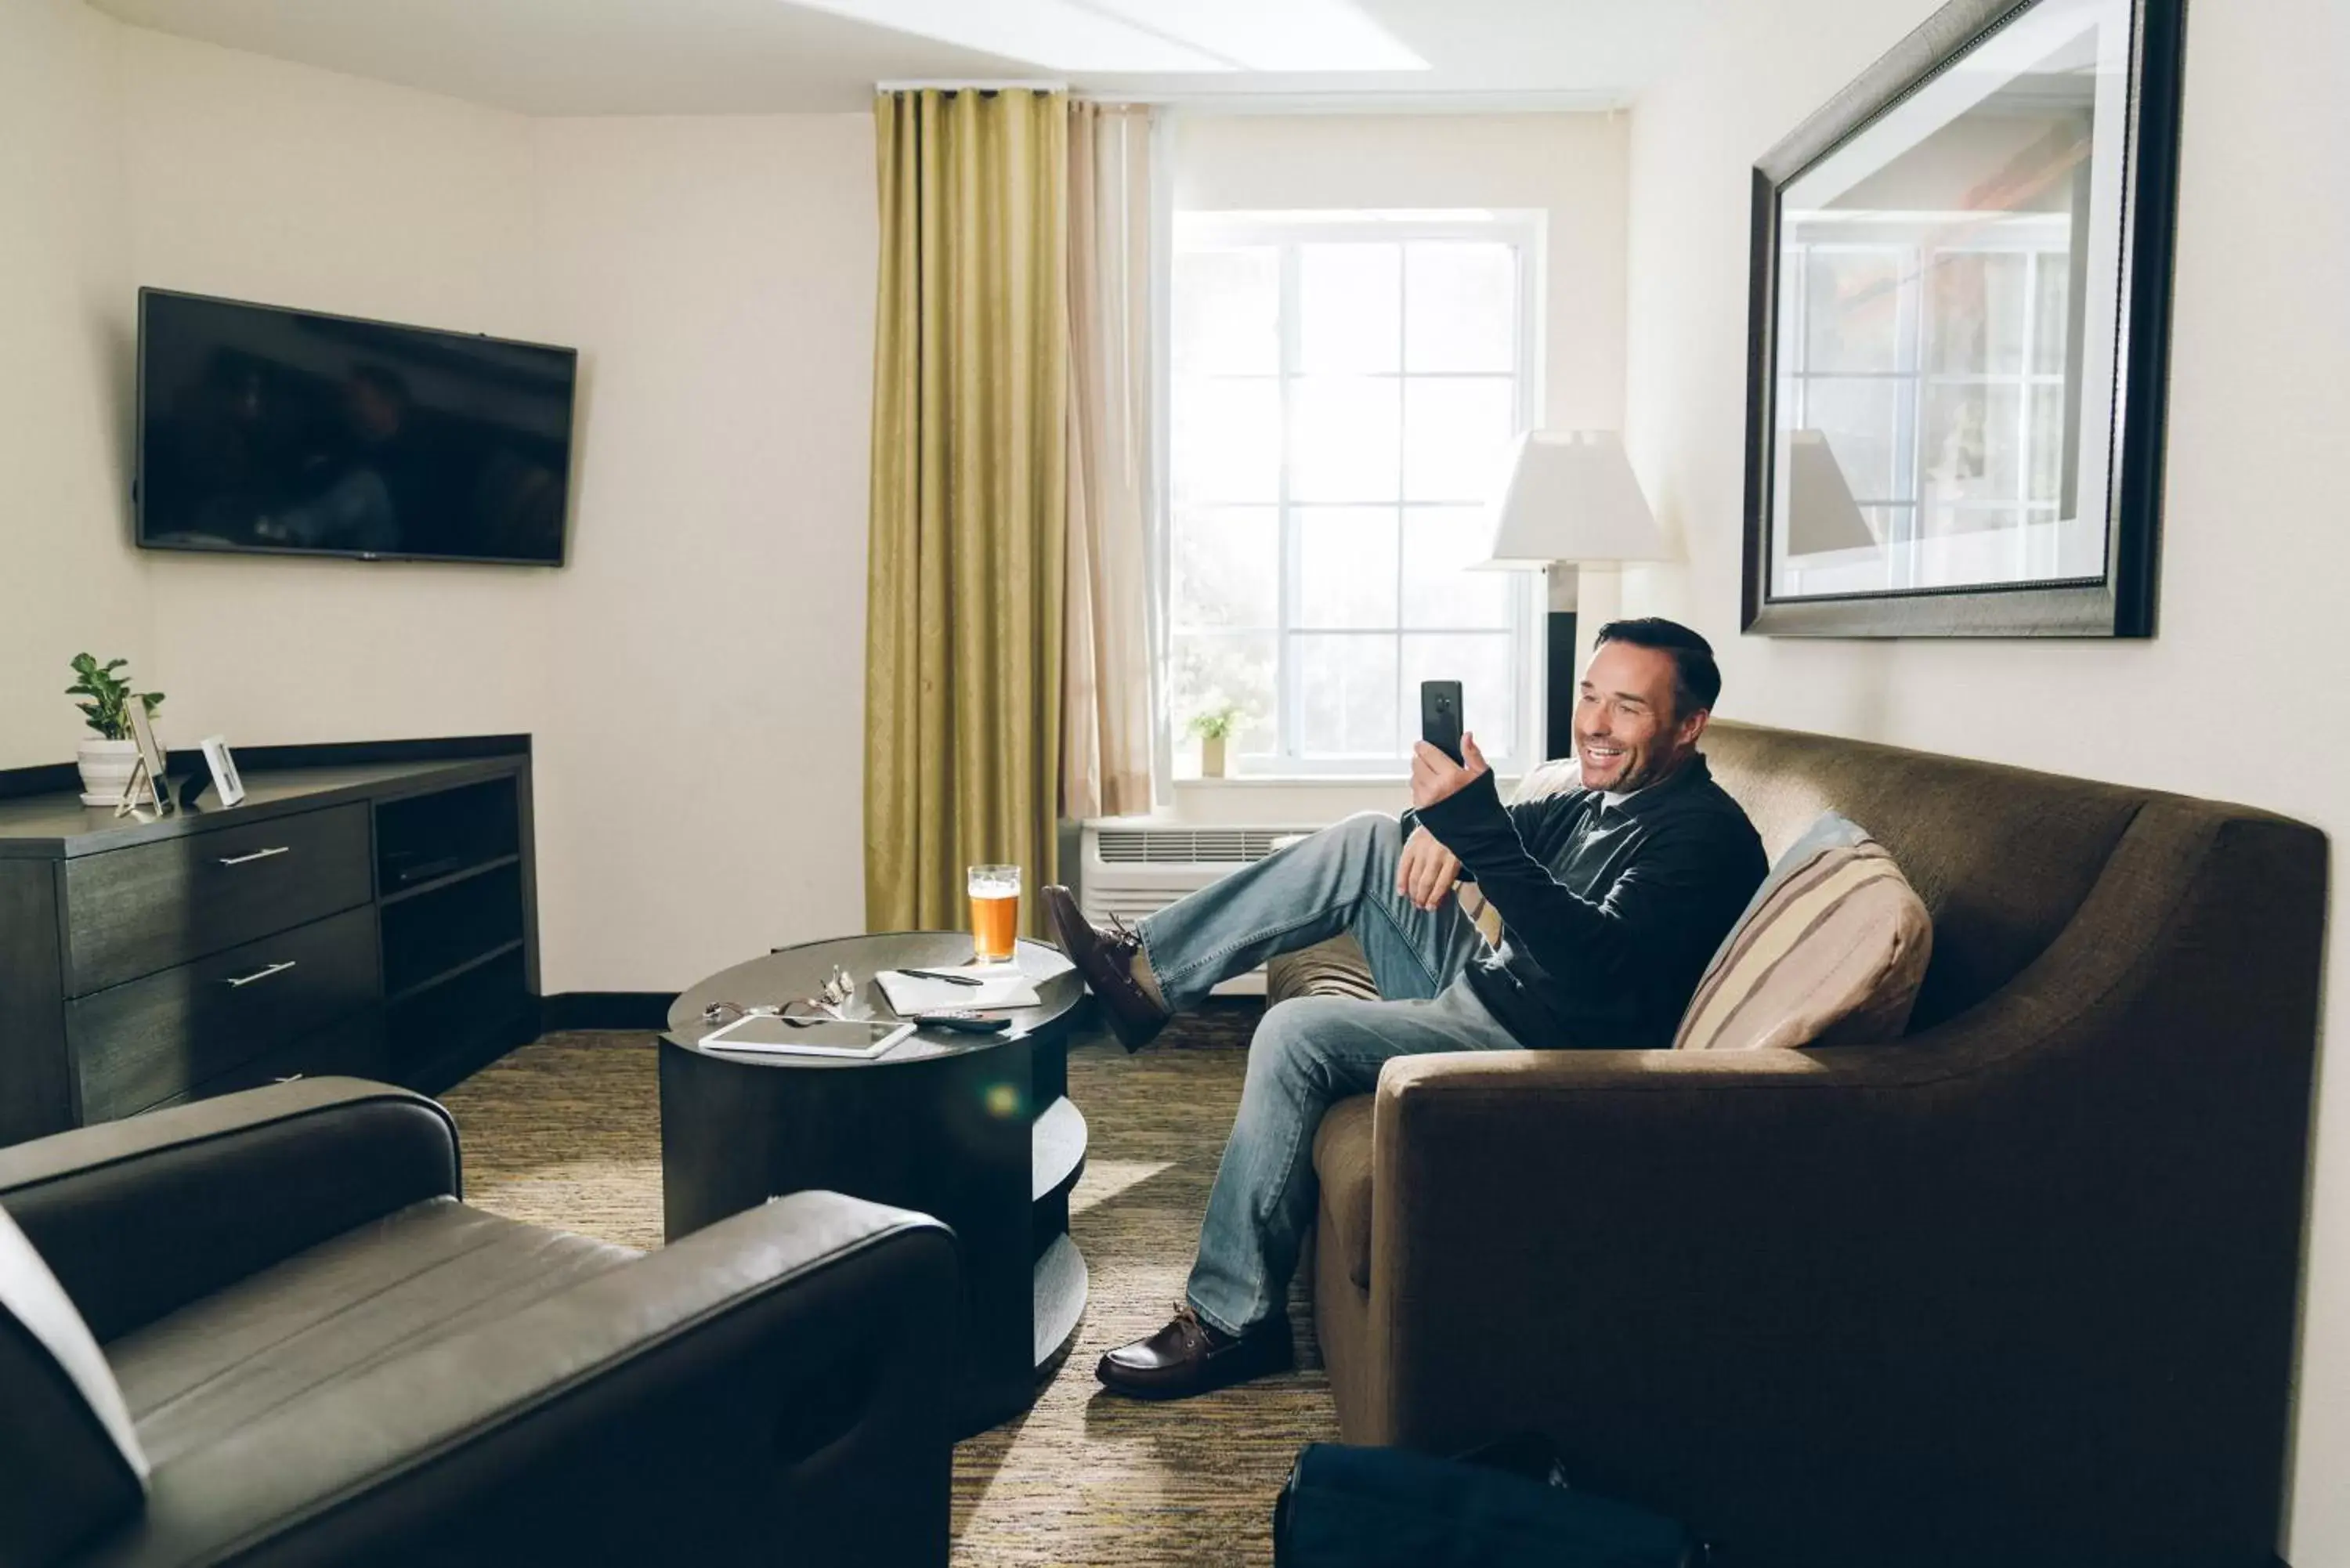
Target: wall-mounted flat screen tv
291	433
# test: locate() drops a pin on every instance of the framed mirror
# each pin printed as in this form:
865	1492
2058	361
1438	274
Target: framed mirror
1957	340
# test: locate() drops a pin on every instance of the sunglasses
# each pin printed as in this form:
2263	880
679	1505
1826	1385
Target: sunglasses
829	1004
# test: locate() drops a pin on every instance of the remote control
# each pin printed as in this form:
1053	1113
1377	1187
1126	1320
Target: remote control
963	1019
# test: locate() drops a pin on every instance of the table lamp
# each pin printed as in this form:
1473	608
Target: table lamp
1569	499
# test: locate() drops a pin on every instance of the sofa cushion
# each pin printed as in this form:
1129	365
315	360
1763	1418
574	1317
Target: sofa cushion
430	1271
70	1464
1333	968
1830	951
1342	1159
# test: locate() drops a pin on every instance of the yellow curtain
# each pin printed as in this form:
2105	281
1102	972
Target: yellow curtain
965	585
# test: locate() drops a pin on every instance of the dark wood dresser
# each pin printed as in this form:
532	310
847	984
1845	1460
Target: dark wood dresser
368	909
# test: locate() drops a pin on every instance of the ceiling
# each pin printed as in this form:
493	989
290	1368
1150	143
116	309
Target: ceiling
745	56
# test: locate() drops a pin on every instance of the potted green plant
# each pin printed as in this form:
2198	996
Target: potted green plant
1214	725
106	762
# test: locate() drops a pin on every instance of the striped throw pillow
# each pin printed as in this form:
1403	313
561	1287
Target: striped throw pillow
1830	951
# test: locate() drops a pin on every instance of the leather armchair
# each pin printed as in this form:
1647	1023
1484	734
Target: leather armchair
329	1358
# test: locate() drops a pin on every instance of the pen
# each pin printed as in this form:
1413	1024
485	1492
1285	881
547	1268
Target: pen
936	975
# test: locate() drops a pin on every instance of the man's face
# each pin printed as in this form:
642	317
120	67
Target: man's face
1626	736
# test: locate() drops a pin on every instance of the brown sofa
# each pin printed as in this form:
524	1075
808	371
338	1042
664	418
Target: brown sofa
2017	1290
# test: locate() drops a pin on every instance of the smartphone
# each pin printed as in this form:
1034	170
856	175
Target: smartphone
1440	716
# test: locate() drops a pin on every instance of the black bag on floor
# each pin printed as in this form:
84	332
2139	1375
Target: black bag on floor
1391	1508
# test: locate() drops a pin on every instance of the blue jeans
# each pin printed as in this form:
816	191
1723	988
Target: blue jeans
1309	1052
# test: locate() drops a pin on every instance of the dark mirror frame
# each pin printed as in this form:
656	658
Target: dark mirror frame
2123	603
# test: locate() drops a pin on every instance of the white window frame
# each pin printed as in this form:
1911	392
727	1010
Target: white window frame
1523	232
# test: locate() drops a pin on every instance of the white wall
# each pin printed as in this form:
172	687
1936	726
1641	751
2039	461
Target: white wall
2239	696
258	180
68	582
694	678
707	780
1569	167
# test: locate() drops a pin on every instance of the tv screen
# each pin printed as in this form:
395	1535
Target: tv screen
293	432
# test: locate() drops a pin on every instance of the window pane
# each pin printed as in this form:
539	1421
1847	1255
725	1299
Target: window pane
1978	314
1347	566
1456	436
1211	668
1489	692
1227	308
1859	419
2047	436
1227	440
2053	284
1346	695
1345	442
1971	444
1348	307
1438	542
1853	309
1226	565
1461	307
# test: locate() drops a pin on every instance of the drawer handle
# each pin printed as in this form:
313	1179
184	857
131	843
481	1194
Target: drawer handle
245	979
257	855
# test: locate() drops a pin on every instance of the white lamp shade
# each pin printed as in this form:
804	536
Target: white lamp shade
1571	496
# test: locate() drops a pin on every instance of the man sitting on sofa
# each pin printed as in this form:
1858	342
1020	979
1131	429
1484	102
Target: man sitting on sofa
1612	898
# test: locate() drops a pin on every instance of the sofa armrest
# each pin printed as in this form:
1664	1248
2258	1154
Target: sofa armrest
138	1217
772	1387
1647	1255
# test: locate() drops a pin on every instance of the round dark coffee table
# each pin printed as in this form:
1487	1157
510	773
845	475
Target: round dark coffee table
976	1129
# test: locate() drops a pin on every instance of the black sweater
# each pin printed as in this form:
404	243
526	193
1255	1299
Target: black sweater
1608	915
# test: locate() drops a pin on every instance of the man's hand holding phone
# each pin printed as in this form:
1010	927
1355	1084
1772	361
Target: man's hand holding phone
1435	777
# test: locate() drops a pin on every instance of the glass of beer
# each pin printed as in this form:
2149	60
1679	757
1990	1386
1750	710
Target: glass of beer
995	911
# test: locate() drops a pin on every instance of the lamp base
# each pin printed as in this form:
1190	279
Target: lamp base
1560	686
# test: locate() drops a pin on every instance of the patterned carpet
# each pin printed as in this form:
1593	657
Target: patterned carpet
567	1133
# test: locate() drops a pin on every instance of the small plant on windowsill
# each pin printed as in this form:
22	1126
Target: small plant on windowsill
1214	725
106	762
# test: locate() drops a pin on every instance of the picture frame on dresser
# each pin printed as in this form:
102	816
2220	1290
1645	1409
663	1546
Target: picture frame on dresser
149	785
1959	309
227	785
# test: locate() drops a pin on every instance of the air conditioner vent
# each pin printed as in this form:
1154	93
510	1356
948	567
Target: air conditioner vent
1189	847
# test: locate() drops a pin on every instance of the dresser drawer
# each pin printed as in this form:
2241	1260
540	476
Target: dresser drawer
140	1043
351	1049
130	912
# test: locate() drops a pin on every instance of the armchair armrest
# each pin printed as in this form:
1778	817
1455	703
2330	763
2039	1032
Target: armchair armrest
141	1216
769	1388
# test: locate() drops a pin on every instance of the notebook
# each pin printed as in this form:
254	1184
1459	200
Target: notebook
1001	985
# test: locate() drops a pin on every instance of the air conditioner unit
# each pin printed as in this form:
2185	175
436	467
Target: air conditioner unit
1133	869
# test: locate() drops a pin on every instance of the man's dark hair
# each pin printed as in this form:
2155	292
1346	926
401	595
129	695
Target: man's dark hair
1697	680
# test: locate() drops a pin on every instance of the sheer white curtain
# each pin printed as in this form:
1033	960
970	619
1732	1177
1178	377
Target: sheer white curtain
1107	726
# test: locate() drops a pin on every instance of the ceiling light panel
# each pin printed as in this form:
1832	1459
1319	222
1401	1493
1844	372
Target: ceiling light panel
1057	35
1271	34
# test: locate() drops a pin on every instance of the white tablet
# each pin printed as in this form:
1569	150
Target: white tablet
765	1035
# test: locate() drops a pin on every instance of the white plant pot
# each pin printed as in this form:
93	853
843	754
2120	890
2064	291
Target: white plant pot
105	767
1211	756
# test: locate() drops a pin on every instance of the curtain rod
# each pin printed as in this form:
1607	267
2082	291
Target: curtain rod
972	85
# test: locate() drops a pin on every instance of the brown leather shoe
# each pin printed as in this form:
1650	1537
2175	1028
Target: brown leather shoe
1189	1357
1106	959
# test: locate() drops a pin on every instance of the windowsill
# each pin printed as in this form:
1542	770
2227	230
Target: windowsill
1307	781
1318	781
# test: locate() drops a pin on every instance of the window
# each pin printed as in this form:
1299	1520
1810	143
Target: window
1345	392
